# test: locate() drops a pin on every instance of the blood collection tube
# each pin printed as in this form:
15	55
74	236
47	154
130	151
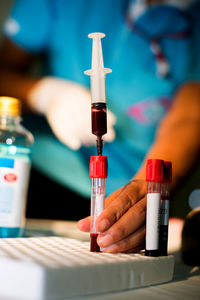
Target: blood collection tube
98	174
154	177
98	90
164	207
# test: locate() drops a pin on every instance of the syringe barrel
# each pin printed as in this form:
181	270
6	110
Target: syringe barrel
97	200
98	88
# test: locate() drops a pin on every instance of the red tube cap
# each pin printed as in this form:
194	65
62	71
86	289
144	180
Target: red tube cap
98	167
154	170
167	172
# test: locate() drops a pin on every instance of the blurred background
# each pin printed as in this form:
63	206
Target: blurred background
180	207
4	12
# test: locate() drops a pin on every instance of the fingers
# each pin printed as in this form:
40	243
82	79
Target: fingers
112	197
84	224
125	233
124	200
133	243
69	141
122	223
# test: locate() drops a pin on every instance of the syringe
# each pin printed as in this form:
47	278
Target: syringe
98	173
98	90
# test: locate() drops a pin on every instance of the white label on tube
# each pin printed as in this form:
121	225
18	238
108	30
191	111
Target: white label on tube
152	221
98	208
99	204
13	191
164	212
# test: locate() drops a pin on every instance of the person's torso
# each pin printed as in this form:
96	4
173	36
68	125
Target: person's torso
135	93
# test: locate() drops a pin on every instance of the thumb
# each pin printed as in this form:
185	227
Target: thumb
68	140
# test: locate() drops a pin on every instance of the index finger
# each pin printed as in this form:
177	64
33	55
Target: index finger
126	198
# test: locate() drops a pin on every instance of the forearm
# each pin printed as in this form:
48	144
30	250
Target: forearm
177	138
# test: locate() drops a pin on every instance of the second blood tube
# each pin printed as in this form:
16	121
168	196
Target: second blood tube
164	208
154	178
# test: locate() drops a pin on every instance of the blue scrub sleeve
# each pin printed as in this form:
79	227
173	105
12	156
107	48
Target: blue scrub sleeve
29	24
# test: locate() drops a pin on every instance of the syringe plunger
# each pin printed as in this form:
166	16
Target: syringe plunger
97	73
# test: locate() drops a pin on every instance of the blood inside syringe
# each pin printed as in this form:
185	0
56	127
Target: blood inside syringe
99	123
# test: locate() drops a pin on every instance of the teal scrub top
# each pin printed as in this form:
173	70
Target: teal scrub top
137	96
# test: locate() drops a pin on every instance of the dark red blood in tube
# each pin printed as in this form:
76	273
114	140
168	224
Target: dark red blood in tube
94	247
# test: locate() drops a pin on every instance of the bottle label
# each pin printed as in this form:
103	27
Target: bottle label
164	212
152	221
14	177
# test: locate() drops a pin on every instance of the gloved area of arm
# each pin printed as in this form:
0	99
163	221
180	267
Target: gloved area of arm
178	136
67	107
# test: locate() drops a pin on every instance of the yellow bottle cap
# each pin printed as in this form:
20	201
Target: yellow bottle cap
10	106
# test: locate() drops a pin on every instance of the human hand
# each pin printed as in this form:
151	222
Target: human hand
122	223
67	107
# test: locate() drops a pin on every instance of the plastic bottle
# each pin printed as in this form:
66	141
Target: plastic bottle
15	163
